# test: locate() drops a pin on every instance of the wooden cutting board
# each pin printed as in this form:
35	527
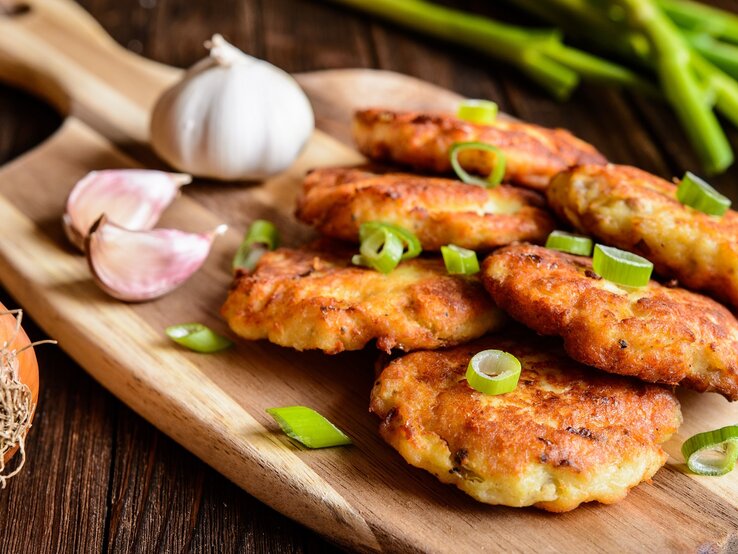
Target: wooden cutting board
364	497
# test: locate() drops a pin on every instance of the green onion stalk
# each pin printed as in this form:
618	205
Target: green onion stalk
591	22
539	53
682	42
704	19
673	63
722	55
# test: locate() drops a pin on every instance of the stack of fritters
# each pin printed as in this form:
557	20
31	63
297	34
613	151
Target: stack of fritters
568	433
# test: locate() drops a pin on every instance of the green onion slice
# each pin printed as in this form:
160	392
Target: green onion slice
460	261
197	337
411	245
621	267
483	112
261	236
493	372
382	250
308	427
567	242
712	452
696	193
498	171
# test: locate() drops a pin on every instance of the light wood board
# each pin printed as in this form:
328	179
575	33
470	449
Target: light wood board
364	497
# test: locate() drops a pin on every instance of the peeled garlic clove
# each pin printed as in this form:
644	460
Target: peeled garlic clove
142	265
131	198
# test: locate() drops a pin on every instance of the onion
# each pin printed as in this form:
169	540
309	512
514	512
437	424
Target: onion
18	389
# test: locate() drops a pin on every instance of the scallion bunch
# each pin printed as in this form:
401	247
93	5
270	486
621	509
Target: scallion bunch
689	50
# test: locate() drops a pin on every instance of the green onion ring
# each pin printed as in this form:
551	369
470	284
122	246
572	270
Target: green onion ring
382	250
412	246
569	243
261	236
459	261
498	171
493	372
481	112
712	452
308	427
697	194
621	267
197	337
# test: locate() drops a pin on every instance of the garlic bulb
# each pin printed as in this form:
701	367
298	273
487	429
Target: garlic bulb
131	198
142	265
232	117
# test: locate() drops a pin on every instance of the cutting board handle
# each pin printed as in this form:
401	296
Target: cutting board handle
56	50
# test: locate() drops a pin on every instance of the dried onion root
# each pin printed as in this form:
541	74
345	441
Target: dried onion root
16	401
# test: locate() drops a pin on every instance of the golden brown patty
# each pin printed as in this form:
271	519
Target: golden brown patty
637	211
439	211
313	298
421	140
566	435
657	333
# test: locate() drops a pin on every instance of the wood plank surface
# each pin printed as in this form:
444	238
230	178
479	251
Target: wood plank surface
162	517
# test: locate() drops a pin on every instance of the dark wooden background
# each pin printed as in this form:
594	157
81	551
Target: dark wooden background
99	478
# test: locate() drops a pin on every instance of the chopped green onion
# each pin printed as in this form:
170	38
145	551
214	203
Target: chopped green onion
197	337
498	171
411	245
696	193
712	452
308	427
261	236
621	267
382	250
567	242
493	372
482	112
460	261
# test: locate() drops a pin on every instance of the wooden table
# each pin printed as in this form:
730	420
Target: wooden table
101	478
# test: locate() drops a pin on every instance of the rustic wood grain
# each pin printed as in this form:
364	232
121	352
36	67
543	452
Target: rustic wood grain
168	508
100	478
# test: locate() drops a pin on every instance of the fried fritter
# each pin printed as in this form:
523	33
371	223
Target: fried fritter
313	298
533	154
566	435
656	333
439	211
636	211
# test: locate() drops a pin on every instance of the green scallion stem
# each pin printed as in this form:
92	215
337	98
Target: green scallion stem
460	261
569	243
722	86
540	54
722	55
584	20
197	337
482	112
695	16
673	63
712	452
621	267
498	169
493	372
696	193
381	250
308	427
260	237
411	244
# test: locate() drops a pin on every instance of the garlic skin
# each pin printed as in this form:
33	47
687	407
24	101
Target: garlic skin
136	266
232	117
131	198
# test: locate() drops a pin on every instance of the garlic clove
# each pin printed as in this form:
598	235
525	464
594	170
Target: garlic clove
142	265
131	198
